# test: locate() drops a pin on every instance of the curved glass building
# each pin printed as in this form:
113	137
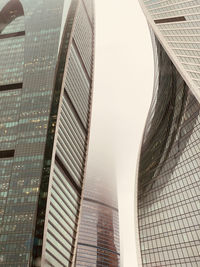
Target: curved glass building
168	172
46	74
98	236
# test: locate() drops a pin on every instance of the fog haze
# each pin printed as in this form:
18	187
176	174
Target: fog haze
122	95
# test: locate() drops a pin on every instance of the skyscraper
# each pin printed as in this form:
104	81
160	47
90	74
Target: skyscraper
46	73
168	173
98	237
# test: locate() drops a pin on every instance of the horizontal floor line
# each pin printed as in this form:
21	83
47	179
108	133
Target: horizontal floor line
101	248
74	110
100	203
67	174
81	61
12	86
13	34
7	154
168	20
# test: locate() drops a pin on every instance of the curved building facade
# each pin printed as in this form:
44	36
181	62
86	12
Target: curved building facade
46	73
168	172
98	237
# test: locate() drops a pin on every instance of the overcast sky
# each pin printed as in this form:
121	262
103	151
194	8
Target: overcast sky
122	95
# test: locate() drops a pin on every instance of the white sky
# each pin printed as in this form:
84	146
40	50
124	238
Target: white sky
122	95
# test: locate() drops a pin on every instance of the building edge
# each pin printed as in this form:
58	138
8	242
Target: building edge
73	11
136	222
154	85
75	2
89	132
56	102
138	251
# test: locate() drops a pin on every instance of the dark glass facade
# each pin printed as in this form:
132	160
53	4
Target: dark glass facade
168	192
46	71
98	238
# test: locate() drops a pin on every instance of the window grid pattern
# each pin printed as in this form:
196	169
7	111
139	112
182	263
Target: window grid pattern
27	126
79	89
98	241
182	37
156	85
168	194
29	60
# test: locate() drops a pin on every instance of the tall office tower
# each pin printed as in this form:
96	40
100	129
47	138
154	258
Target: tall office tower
98	241
46	71
169	178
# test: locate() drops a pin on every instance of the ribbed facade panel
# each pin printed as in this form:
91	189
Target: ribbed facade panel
83	38
79	89
70	146
89	4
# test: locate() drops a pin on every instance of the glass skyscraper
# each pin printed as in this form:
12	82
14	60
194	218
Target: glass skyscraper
98	235
168	173
46	77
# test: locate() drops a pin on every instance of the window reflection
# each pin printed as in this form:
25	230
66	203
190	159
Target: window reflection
169	173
